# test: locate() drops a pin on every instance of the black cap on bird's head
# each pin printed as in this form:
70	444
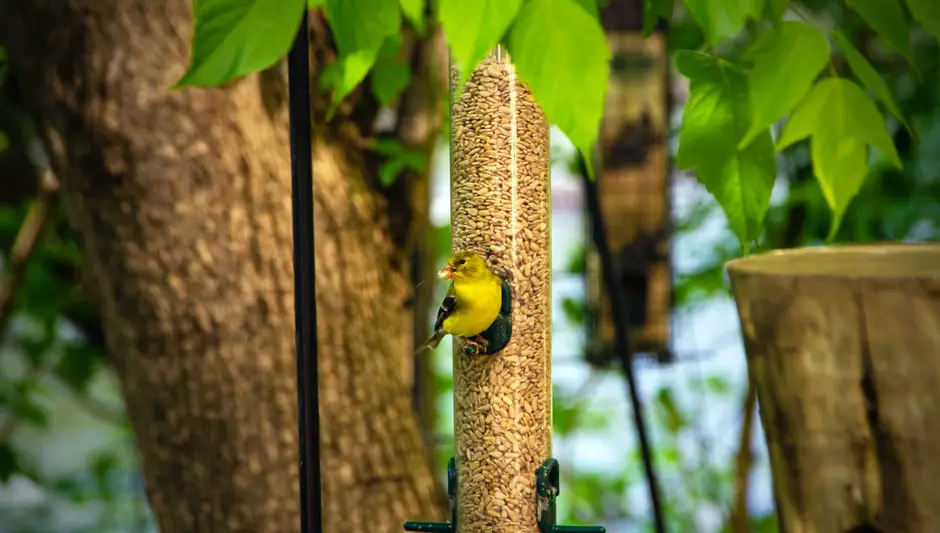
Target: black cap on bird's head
464	264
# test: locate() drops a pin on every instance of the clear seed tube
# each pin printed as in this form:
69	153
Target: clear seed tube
501	209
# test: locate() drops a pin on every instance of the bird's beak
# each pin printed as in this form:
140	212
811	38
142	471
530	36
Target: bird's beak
447	272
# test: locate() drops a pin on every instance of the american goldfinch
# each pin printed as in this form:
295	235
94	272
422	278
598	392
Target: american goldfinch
472	302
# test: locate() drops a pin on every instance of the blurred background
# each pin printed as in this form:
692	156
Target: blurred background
67	459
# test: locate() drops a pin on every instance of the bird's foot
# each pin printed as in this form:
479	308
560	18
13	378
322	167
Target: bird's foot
474	346
482	342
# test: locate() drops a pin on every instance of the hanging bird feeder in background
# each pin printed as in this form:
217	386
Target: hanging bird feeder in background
634	194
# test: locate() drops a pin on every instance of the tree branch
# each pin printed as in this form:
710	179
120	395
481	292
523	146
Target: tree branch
621	320
25	243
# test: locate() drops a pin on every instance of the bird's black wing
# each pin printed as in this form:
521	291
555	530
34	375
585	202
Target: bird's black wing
447	307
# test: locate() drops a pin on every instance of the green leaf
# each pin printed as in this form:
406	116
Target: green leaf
842	122
399	159
722	19
388	79
786	61
869	77
359	28
927	12
590	6
473	28
714	120
575	310
717	384
103	466
78	365
555	46
237	37
388	146
315	4
653	10
9	461
775	9
414	12
887	18
673	418
390	74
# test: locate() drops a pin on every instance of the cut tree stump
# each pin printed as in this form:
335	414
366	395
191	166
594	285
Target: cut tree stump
843	344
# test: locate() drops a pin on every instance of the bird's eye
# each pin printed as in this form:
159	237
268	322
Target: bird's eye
462	261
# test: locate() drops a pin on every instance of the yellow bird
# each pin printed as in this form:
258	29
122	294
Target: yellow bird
472	302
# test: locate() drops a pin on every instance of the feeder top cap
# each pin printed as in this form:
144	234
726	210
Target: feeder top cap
885	260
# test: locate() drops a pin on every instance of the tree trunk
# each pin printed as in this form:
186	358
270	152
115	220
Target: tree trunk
842	344
181	200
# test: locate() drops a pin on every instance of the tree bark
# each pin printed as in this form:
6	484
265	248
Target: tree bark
843	348
181	200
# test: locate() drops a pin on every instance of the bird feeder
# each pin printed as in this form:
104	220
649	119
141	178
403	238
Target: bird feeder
843	346
503	478
633	187
501	209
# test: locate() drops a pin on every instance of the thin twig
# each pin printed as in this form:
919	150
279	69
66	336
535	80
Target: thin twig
25	243
622	349
743	460
23	246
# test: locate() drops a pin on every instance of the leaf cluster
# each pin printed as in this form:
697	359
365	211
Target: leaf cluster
558	47
762	61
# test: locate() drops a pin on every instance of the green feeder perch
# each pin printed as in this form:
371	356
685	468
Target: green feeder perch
442	527
546	491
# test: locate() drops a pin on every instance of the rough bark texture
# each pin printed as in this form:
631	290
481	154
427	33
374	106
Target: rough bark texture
844	349
181	200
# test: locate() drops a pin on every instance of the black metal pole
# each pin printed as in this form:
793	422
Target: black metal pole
305	309
621	320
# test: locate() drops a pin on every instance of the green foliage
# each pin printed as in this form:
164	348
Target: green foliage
927	12
785	62
473	27
668	411
575	310
741	180
236	37
360	28
9	461
869	77
775	9
398	159
842	122
720	20
556	46
414	12
776	67
887	18
654	11
590	7
390	74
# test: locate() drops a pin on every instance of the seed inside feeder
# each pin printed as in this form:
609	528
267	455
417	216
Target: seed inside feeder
501	208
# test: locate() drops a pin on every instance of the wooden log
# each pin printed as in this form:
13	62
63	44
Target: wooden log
843	344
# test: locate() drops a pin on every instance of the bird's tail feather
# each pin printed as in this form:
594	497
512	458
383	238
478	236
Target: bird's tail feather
432	342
